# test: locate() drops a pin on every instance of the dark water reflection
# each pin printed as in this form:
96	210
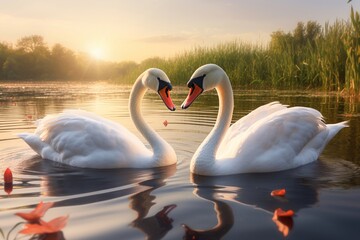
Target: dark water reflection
302	184
105	184
170	203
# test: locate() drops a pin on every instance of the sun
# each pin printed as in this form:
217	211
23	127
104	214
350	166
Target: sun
97	53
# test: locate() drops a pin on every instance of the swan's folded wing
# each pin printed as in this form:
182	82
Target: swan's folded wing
272	143
73	135
250	119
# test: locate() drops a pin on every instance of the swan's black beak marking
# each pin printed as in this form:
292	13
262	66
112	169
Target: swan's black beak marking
196	88
164	92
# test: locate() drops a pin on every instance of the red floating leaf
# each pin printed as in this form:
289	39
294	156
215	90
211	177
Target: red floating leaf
283	220
35	215
278	192
281	213
53	226
165	123
8	177
284	225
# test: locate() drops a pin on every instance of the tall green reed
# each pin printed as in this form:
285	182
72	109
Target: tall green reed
310	57
352	43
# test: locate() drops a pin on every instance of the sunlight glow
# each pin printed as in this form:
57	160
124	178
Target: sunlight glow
97	53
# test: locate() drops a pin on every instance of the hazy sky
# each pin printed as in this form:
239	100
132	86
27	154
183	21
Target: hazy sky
120	30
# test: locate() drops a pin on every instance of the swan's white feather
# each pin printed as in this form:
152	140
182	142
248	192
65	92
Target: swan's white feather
80	138
285	139
245	122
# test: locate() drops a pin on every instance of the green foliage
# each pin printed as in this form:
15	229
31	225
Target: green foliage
352	43
310	56
4	55
243	63
32	59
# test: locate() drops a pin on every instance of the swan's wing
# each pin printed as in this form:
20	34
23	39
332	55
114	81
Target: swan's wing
75	136
285	139
250	119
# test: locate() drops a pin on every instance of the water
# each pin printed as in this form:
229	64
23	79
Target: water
169	202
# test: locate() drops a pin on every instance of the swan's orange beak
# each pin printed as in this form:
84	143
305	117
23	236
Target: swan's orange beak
194	92
165	96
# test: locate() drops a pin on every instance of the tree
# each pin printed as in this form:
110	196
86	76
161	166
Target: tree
313	31
299	34
5	50
280	40
15	66
35	55
62	63
31	43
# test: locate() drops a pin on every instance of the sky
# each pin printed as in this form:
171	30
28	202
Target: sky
133	30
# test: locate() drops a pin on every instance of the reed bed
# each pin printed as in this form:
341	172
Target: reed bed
310	57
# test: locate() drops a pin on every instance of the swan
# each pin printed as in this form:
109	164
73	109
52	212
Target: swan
271	138
83	139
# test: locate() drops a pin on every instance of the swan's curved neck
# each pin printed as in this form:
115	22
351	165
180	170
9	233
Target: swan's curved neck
158	144
206	153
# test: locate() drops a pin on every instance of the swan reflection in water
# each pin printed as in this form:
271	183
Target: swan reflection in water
86	186
254	191
224	214
156	226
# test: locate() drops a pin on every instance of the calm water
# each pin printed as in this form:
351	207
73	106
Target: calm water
170	203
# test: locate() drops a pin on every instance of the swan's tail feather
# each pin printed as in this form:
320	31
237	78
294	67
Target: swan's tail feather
33	141
314	148
335	128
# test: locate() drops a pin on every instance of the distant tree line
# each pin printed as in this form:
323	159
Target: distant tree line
32	59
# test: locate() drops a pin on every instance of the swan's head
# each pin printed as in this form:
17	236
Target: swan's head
157	80
205	78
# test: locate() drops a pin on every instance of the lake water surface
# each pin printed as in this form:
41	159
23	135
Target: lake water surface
171	203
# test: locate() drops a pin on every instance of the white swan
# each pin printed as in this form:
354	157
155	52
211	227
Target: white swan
82	139
270	138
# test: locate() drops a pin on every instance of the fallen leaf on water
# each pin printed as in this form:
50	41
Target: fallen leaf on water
35	215
278	192
284	225
281	213
283	220
8	177
52	226
165	123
